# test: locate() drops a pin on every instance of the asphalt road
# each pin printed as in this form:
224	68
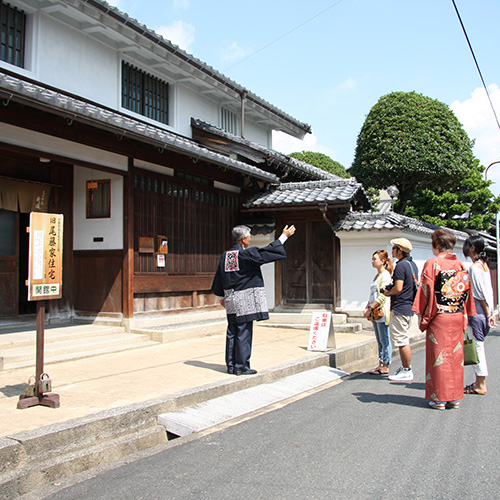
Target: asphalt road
366	438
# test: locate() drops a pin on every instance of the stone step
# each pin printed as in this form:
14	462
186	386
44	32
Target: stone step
18	349
30	463
27	336
304	316
168	333
66	349
207	414
339	328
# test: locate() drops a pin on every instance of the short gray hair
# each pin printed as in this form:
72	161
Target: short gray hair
239	232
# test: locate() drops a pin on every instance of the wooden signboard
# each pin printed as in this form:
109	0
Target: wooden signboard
321	334
45	256
44	283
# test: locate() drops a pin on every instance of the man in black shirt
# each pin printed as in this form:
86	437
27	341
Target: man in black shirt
402	293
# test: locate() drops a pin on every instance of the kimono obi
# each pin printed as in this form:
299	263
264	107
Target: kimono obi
452	289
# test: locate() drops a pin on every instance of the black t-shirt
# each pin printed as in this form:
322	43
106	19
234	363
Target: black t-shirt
403	301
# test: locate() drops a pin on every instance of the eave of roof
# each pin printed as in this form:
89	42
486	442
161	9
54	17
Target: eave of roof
308	194
388	221
272	156
35	95
149	34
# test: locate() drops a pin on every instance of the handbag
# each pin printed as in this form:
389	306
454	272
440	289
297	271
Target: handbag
377	313
470	351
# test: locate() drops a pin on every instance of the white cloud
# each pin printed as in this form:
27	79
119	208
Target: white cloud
478	120
341	90
287	144
181	4
477	117
234	53
179	32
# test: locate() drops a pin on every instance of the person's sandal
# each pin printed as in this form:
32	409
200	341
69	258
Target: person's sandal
437	406
470	389
378	371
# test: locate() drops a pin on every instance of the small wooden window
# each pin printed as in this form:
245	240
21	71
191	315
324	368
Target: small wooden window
99	199
12	41
144	94
229	121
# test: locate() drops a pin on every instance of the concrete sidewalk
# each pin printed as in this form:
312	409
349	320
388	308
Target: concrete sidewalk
92	385
110	403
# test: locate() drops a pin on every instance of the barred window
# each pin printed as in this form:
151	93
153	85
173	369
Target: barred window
196	224
229	121
144	94
12	41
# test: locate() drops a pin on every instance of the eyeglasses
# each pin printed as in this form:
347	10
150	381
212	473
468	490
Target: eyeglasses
395	248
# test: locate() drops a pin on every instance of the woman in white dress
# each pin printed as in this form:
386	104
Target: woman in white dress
480	324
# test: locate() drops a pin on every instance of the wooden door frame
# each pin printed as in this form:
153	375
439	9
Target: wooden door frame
308	218
14	259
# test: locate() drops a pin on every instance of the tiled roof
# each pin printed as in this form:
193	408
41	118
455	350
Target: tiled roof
388	221
13	88
384	206
280	159
301	194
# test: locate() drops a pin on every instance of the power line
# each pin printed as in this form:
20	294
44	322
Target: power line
282	36
477	64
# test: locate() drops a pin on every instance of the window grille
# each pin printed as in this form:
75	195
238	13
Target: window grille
229	121
12	41
192	217
144	94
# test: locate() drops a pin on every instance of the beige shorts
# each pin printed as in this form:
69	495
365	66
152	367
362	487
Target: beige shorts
398	328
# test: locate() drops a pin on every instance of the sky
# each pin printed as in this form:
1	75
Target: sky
328	62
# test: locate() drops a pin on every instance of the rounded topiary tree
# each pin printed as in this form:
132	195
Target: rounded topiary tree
411	141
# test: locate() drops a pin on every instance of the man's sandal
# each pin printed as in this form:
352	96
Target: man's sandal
470	389
378	371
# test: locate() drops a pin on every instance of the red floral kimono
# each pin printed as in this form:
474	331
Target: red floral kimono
444	301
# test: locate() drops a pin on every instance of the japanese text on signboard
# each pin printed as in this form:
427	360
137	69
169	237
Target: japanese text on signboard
45	256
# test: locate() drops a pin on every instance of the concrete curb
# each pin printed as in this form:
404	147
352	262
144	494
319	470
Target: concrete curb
29	460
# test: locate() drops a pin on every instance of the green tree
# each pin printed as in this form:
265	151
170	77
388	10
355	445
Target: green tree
468	205
322	161
413	142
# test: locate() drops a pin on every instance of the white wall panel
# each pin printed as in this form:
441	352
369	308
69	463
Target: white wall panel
85	230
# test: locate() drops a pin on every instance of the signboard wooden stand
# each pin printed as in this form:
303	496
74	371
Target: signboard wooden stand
321	333
44	282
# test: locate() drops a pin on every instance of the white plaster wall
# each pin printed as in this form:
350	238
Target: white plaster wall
85	230
262	240
191	104
69	59
356	249
257	134
73	61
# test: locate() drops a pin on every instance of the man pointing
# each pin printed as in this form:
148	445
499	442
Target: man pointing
239	284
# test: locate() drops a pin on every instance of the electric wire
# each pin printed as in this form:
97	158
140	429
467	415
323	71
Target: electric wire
477	64
282	36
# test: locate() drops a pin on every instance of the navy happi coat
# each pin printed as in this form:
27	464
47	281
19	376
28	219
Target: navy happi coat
239	280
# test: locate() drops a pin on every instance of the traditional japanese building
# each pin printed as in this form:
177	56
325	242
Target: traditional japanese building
151	156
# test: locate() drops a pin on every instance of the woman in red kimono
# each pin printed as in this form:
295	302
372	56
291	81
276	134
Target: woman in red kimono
443	302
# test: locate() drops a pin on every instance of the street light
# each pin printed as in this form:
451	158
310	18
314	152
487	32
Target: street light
498	242
392	191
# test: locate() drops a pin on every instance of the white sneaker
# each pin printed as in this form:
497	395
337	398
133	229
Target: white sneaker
402	375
